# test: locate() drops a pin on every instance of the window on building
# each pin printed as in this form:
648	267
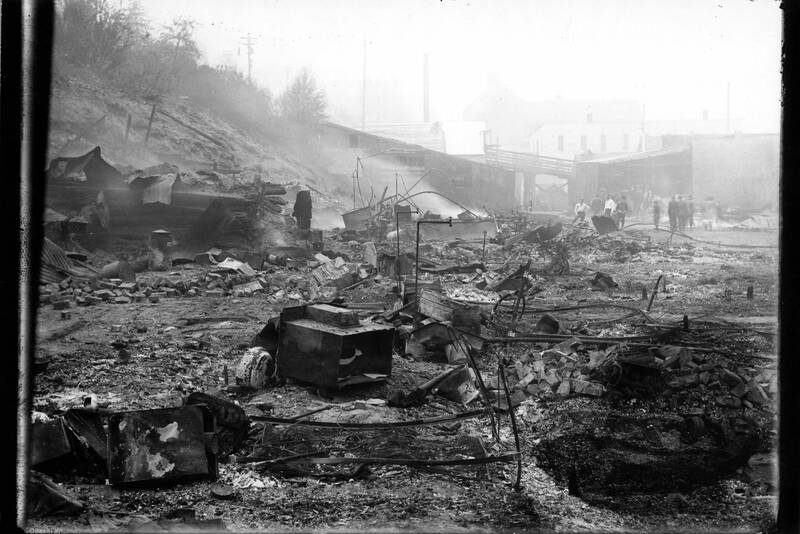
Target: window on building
584	142
588	117
602	143
353	141
626	142
560	142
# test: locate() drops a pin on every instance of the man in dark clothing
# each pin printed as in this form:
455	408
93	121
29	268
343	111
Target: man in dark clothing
622	210
302	210
656	213
672	213
683	214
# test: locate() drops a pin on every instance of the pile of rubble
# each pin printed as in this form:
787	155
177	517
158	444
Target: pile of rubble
569	369
86	292
281	275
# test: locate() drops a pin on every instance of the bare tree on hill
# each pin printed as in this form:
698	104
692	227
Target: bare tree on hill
303	102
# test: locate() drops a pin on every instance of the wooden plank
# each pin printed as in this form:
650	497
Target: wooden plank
435	305
149	124
370	426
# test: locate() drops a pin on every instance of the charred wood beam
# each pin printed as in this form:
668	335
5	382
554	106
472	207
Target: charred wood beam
331	460
369	426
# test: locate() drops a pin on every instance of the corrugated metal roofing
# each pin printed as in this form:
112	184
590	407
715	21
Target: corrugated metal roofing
51	215
155	189
53	256
56	265
161	191
50	275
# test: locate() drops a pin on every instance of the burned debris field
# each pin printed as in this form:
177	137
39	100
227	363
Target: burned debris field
256	315
630	412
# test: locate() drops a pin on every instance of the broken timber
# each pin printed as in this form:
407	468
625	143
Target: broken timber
407	461
192	128
370	426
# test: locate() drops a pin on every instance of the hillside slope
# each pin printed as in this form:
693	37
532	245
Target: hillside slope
86	112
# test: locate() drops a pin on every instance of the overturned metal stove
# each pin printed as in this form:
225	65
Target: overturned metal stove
164	445
328	347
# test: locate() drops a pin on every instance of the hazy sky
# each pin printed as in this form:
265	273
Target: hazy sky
675	56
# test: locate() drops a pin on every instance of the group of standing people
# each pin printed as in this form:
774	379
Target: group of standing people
614	206
680	211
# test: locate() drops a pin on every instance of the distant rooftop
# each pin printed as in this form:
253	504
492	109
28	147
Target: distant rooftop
454	138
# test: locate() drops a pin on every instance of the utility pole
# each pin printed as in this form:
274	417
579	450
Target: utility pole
364	89
248	42
728	110
425	92
643	137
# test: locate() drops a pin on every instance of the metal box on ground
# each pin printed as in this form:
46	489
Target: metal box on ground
49	442
472	230
409	290
331	348
161	446
357	219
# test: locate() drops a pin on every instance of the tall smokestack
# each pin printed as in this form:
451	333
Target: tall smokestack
425	92
364	89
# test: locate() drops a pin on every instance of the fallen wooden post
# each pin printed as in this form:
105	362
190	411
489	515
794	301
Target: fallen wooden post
149	124
655	290
370	426
481	386
333	460
502	373
188	126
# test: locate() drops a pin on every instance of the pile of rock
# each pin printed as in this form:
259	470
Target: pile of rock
568	369
724	382
560	371
86	292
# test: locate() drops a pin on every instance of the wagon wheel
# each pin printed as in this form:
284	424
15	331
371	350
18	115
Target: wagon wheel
500	313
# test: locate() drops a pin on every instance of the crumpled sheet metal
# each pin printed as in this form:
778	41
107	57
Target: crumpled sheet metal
161	446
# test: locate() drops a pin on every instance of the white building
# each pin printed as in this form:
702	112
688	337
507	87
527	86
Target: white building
570	139
566	140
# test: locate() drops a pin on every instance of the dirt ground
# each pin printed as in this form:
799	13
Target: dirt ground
184	344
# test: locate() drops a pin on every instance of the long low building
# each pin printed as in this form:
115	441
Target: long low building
738	169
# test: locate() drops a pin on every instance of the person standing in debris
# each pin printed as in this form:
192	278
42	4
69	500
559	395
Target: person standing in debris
682	213
672	213
622	210
597	205
610	206
656	212
302	210
647	199
580	211
690	212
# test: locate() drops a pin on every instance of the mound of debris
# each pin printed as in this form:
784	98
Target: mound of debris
598	451
570	368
